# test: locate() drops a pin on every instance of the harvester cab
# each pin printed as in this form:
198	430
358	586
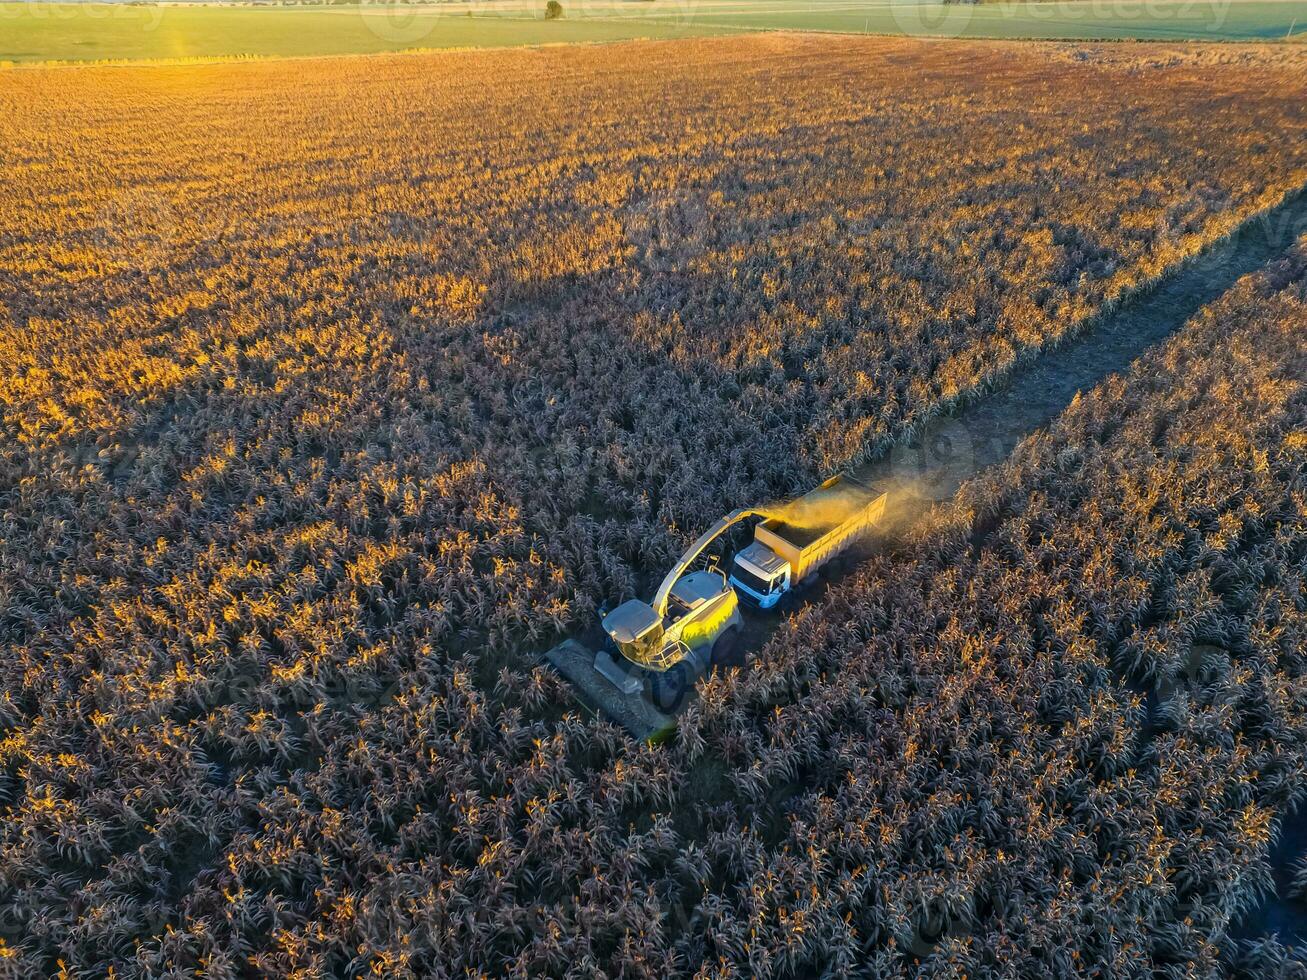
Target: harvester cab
697	605
691	625
666	653
636	630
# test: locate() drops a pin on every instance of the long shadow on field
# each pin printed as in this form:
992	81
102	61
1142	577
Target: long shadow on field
957	445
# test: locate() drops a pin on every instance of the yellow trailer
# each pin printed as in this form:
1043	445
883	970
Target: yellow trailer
790	546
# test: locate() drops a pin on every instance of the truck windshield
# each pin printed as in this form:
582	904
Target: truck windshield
748	579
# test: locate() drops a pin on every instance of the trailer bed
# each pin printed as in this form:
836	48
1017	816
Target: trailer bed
800	537
837	513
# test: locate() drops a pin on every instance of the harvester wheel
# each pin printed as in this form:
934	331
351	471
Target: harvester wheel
726	652
670	687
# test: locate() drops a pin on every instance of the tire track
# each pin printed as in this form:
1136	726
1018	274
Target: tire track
928	467
984	426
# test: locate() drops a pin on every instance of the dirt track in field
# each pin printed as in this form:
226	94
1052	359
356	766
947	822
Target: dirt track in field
932	464
929	466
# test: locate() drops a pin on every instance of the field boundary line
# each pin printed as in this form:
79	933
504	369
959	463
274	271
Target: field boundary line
707	31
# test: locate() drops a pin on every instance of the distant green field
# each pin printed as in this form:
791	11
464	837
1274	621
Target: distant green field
1227	20
93	32
31	32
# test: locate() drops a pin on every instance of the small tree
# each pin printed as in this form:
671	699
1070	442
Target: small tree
553	10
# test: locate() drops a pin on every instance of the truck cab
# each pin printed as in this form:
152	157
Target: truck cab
760	576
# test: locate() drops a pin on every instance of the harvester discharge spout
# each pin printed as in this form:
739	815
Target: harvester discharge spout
695	550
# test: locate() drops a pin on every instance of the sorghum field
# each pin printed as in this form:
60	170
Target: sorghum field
335	389
1066	721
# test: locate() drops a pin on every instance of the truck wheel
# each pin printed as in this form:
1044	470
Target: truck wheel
726	652
670	688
